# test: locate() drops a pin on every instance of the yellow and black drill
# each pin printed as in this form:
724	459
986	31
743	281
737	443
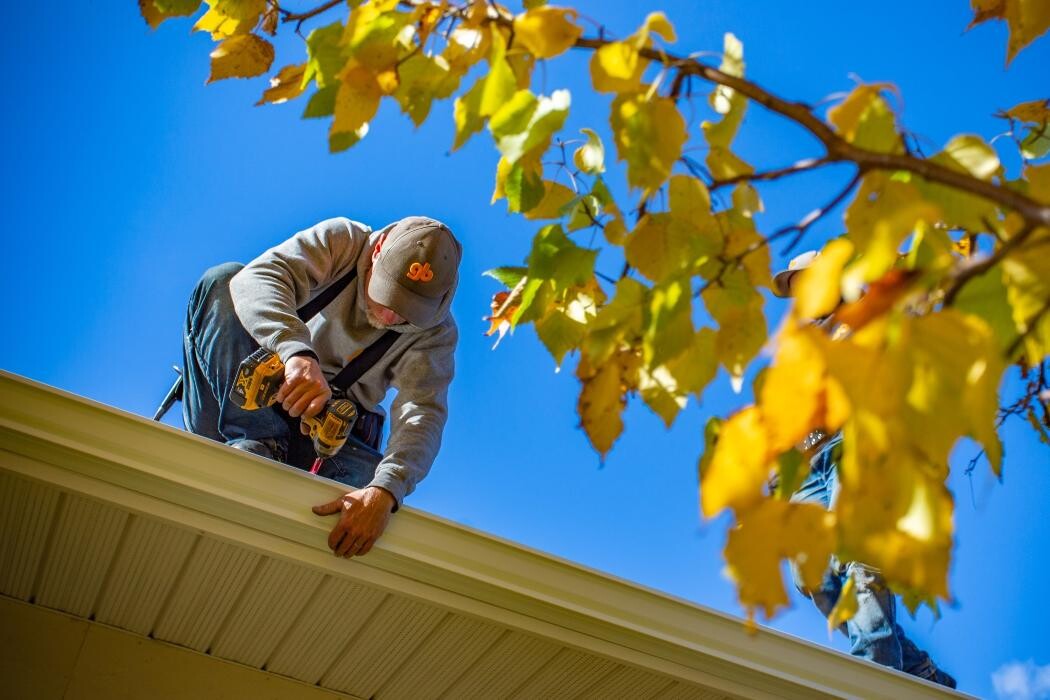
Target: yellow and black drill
259	377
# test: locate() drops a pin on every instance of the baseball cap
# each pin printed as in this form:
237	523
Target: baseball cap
416	270
782	280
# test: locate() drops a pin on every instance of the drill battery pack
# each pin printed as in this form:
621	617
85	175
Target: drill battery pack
259	377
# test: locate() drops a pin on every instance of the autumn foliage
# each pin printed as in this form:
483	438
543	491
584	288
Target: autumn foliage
939	285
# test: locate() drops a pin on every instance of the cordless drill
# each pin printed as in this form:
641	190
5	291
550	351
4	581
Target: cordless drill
259	377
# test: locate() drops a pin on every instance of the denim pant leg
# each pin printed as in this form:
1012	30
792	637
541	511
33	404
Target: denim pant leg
871	631
817	488
214	343
354	465
873	628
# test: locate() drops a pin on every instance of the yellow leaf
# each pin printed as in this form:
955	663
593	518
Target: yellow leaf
357	100
792	395
1026	19
689	200
649	135
656	23
242	10
742	239
155	13
1033	112
740	466
865	119
882	215
662	245
221	26
244	56
818	290
845	607
387	81
286	85
617	67
547	31
604	396
767	533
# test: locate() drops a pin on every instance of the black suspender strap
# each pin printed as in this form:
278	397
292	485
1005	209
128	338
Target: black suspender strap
367	358
314	306
364	361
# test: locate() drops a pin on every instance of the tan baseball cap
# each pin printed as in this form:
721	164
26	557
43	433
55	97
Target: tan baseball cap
416	270
782	280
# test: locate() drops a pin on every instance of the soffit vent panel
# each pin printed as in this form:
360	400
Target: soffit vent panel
27	513
566	676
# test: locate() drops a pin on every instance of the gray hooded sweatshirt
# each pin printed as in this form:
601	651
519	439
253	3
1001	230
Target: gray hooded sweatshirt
419	365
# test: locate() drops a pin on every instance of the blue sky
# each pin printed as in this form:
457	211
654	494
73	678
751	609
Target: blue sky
125	177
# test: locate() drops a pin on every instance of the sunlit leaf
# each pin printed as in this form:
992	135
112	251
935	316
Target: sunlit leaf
286	85
590	157
526	122
1026	19
357	100
669	329
649	135
244	56
547	31
818	289
325	57
603	396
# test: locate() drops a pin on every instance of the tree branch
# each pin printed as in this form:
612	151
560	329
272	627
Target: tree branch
838	149
799	167
977	268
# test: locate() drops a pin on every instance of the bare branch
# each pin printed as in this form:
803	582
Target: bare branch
975	268
799	167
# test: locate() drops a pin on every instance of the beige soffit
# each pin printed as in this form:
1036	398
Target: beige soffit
111	517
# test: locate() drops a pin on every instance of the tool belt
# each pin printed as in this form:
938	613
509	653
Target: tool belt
368	428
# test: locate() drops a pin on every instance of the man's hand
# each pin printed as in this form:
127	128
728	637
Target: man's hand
363	516
305	390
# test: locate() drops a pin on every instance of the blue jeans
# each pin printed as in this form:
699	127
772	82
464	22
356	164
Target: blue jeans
873	631
214	343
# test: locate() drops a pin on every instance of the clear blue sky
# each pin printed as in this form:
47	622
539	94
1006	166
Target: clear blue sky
124	177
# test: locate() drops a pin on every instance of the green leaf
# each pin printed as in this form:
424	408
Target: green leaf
619	321
555	257
507	276
985	296
661	393
694	368
669	327
662	245
525	122
793	470
1036	143
420	77
560	334
325	57
467	113
649	135
500	84
322	103
176	8
524	188
584	212
342	140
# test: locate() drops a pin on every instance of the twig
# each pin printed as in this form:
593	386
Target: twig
814	216
1030	325
970	269
799	167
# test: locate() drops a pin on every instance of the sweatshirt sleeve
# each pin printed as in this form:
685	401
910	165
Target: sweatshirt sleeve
419	410
269	290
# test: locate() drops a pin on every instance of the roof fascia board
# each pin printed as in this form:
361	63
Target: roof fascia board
162	471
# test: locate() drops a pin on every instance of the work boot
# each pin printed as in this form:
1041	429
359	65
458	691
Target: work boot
943	678
266	447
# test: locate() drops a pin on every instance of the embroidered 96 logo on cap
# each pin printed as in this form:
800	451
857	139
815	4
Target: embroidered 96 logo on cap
420	272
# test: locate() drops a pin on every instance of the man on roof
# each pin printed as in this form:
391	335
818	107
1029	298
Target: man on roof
329	294
873	630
